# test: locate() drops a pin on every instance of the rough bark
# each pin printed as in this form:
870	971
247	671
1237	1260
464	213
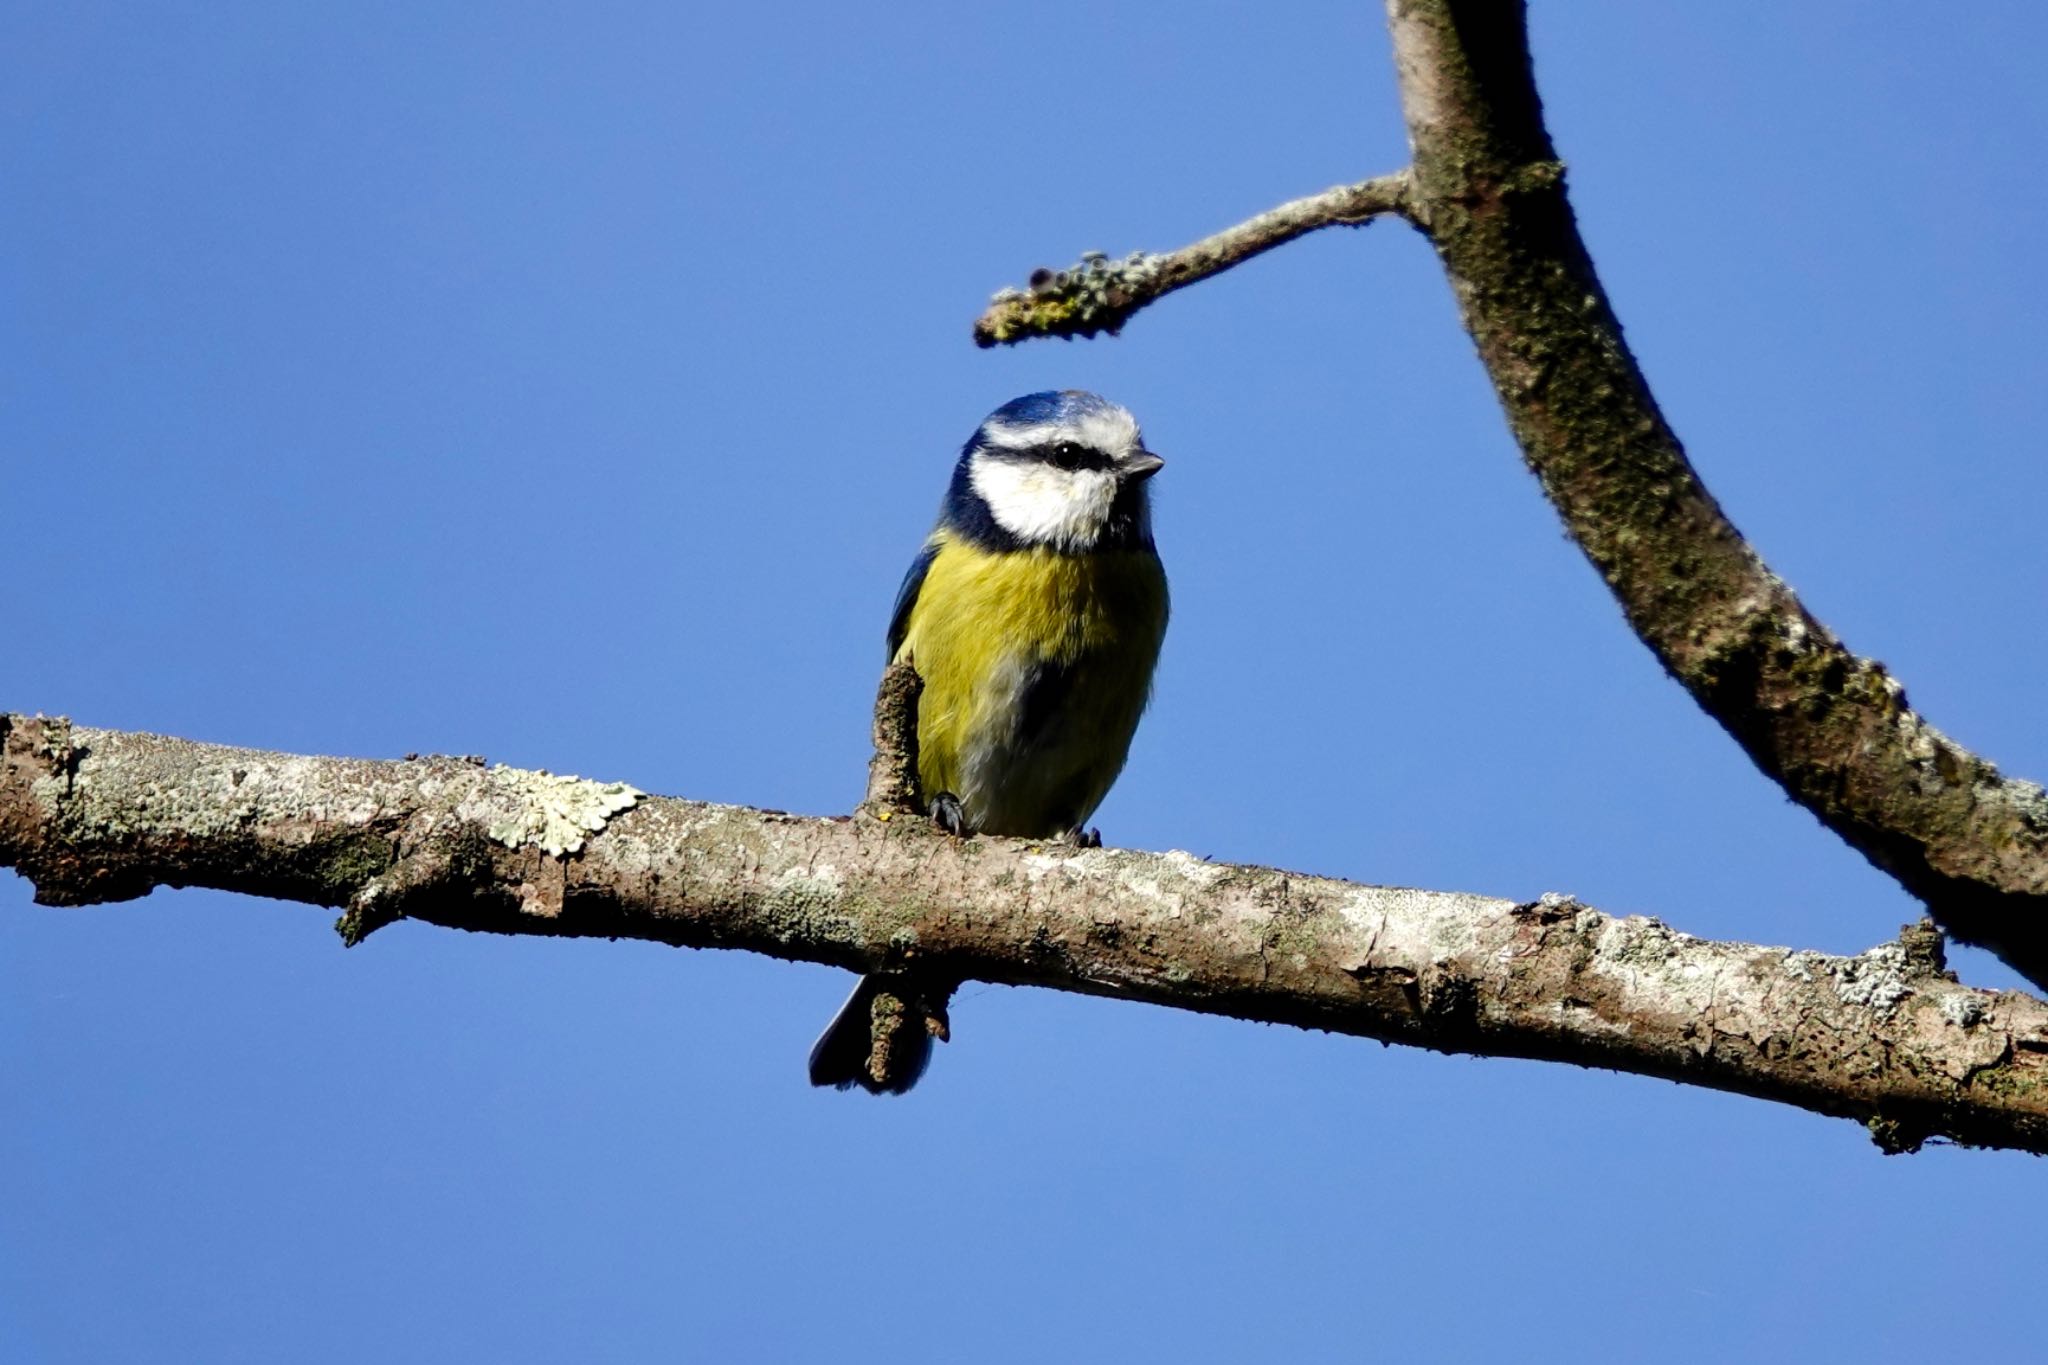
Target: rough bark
1829	726
1886	1038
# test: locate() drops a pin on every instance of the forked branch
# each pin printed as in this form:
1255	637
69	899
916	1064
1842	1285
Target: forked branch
1831	727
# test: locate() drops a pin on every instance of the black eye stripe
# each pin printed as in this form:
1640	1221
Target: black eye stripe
1068	454
1071	455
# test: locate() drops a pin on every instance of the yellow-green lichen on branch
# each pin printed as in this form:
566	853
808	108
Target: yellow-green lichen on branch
1098	295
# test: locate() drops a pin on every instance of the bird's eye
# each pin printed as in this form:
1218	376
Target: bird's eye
1066	455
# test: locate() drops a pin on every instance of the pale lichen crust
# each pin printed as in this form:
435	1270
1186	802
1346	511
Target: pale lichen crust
556	814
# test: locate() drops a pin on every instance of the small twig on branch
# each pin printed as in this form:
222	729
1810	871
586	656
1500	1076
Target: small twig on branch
906	1007
1100	295
892	772
1886	1038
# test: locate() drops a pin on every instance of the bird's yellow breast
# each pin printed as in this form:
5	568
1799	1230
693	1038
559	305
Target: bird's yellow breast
988	628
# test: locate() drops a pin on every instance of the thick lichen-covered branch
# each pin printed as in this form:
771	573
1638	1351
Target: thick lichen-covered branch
1100	295
1886	1038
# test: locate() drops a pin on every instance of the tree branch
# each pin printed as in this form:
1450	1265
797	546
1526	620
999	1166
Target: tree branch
1887	1038
1099	295
1830	727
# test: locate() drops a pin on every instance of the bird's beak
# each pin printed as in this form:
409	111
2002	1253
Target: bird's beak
1143	465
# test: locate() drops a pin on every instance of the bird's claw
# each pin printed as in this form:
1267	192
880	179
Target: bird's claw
948	815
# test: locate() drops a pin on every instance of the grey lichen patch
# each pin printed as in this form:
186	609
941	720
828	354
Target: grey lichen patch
1799	965
808	903
145	786
1164	884
1374	927
54	744
1038	864
556	814
818	884
1197	870
1294	936
1962	1009
1638	941
1876	980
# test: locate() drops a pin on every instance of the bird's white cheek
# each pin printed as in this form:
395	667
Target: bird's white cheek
1042	505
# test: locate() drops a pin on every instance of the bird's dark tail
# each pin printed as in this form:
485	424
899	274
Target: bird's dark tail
880	1040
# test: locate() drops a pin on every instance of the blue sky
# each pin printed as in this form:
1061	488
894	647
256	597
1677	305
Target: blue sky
571	384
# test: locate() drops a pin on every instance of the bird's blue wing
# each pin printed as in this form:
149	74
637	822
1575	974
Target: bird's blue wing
906	596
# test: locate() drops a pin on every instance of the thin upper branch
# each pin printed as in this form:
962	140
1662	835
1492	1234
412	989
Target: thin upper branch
1099	295
1887	1038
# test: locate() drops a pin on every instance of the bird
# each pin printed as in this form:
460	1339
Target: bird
1034	615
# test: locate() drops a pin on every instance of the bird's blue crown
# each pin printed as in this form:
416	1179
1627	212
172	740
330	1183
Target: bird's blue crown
1054	405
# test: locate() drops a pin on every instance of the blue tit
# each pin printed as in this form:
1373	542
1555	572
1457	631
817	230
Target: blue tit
1034	615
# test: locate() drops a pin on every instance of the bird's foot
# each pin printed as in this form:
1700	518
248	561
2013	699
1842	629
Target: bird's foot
948	815
1084	838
